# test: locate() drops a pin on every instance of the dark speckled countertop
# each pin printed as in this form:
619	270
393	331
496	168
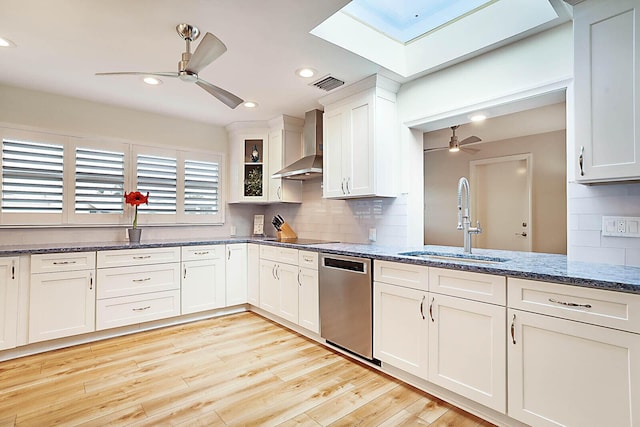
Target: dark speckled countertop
527	265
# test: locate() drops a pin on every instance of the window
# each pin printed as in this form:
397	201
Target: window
99	181
201	181
32	177
157	176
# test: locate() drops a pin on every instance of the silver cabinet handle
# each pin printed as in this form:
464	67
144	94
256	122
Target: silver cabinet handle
141	308
581	160
513	329
431	310
63	262
569	304
523	234
229	254
342	185
278	272
90	281
142	257
307	259
13	270
184	272
421	306
348	191
273	271
146	279
299	273
201	253
279	193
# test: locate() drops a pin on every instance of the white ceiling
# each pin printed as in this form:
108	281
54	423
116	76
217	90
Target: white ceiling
62	43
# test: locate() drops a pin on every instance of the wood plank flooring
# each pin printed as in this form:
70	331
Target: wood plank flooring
237	370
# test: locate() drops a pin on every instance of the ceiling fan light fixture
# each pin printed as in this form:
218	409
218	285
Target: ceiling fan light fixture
250	104
152	81
305	72
478	117
454	147
6	43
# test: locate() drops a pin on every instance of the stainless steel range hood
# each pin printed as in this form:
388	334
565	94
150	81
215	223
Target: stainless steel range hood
310	166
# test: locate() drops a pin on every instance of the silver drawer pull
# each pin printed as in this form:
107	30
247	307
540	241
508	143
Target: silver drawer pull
201	253
569	304
63	262
307	259
141	308
141	280
142	257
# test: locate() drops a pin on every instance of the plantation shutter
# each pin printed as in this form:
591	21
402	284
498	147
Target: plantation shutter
99	181
32	177
157	176
201	182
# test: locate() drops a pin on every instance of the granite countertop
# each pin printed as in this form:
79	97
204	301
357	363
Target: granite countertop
527	265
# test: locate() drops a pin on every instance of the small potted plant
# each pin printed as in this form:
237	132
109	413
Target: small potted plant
135	199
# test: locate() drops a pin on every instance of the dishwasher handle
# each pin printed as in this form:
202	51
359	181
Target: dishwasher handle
345	264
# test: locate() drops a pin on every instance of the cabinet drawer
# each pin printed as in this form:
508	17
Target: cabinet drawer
279	254
190	253
465	284
307	259
114	312
68	261
124	281
596	306
397	273
126	257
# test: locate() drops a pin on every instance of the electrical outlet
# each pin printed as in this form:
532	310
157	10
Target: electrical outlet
372	235
621	226
232	231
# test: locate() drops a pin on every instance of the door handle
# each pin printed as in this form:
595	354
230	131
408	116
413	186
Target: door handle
431	310
581	161
523	234
513	329
421	306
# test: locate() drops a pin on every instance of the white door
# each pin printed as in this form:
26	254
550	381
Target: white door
334	140
308	300
288	280
566	373
359	157
275	164
269	287
501	200
236	274
8	302
202	285
253	274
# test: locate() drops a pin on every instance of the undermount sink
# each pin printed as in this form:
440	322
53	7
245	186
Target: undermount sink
440	256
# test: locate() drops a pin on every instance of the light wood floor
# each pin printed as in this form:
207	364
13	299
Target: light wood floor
235	370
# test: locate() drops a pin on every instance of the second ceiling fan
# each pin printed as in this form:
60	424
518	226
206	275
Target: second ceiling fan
209	49
455	145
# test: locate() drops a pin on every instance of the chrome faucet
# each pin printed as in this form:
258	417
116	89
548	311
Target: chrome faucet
464	219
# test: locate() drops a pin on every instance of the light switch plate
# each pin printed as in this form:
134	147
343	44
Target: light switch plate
621	226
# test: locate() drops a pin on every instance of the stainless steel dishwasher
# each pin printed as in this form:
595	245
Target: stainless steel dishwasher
346	303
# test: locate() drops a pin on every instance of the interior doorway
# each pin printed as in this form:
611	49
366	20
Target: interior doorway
501	195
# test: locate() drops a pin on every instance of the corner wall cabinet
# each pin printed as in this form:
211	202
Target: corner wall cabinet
360	141
9	269
203	278
248	152
236	274
607	90
565	366
285	147
137	285
62	295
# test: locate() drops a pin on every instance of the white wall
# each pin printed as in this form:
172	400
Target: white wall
72	116
443	169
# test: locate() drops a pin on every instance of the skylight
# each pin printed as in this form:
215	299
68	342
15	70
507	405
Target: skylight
405	20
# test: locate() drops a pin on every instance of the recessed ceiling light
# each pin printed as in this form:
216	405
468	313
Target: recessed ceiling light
6	43
305	72
478	117
152	81
250	104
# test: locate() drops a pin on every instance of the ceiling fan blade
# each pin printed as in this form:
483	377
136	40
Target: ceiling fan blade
227	98
428	150
207	51
470	140
139	73
469	150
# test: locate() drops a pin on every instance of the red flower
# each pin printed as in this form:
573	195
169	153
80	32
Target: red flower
136	198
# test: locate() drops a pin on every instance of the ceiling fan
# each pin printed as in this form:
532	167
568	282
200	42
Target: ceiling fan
455	145
209	49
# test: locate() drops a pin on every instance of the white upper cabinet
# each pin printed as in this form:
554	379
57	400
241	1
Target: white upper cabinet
285	147
361	140
607	90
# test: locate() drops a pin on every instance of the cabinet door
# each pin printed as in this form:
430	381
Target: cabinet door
563	372
61	305
308	300
275	164
288	281
607	90
269	287
358	152
467	349
400	329
334	133
253	274
8	302
236	274
203	285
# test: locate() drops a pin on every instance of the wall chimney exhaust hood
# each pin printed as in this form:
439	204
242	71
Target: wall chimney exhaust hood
310	166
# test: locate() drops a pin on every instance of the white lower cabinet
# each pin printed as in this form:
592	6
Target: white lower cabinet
467	349
9	267
400	327
203	278
236	274
308	291
253	274
62	295
269	287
